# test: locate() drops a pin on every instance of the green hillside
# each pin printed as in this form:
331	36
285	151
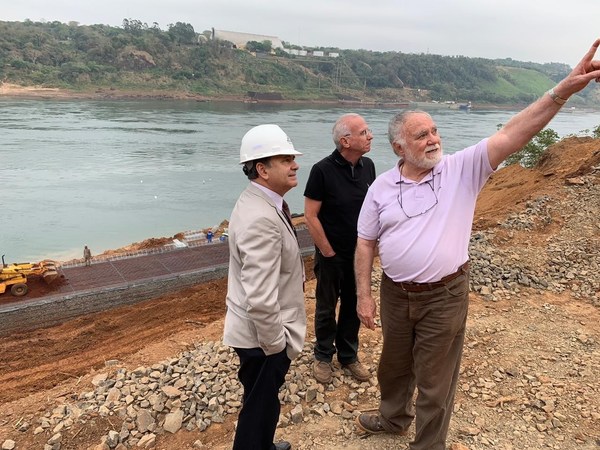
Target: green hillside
140	58
516	83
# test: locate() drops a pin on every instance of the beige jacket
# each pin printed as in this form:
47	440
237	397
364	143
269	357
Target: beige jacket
265	297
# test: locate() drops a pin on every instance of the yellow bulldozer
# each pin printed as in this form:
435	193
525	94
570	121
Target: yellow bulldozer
16	275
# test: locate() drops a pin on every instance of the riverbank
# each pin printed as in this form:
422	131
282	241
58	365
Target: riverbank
11	90
18	91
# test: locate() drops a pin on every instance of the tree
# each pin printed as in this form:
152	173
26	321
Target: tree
529	155
134	26
182	33
262	47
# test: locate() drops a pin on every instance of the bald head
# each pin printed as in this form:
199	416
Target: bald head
342	128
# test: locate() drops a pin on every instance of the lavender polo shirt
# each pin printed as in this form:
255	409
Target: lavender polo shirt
432	244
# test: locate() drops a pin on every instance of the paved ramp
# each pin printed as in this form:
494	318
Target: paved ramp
153	266
117	282
103	274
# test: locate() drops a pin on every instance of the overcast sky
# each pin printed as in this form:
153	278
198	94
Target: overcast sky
525	30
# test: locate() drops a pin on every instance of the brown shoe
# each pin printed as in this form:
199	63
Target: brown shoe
358	371
322	371
371	424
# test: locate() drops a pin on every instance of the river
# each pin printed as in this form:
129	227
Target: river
109	173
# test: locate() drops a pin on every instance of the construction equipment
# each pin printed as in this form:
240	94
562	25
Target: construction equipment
16	275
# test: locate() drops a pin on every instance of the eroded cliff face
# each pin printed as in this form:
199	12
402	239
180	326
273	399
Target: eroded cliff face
510	186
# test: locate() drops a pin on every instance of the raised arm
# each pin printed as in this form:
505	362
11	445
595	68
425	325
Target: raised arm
363	266
525	125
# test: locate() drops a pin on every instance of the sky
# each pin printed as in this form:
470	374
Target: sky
526	30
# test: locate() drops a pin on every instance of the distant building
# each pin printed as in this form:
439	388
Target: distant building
241	39
295	52
317	53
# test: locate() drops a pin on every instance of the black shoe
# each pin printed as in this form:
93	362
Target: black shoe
283	445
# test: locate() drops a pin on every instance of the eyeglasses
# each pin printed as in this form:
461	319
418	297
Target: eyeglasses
431	184
362	133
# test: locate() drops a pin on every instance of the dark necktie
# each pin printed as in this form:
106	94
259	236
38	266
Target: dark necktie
286	210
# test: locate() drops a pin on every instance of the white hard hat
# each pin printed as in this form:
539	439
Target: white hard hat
264	141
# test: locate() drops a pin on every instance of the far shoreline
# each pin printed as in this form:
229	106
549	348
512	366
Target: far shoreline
15	91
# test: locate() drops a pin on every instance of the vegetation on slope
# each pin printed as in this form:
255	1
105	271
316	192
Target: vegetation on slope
141	57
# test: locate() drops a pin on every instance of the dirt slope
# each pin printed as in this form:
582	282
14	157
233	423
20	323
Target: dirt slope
531	344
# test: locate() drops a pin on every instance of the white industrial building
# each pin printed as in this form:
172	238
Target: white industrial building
241	39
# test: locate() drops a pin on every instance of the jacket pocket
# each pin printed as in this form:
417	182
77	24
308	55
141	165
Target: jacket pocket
289	315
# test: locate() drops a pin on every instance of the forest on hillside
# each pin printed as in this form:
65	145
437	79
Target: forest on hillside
140	56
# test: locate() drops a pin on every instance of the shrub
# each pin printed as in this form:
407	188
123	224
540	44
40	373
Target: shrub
530	154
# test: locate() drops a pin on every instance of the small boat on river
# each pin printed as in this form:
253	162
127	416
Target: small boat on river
441	105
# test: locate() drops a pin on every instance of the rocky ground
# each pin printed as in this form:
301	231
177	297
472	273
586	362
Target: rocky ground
156	375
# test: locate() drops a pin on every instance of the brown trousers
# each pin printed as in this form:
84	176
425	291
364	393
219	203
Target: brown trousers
423	335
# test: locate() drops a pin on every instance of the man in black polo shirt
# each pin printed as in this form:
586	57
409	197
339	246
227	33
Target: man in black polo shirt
334	194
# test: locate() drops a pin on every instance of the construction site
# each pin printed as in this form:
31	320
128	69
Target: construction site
528	377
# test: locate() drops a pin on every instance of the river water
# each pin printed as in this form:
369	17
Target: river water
109	173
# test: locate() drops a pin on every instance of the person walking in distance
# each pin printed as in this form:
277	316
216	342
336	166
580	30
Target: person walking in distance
420	214
265	321
333	195
87	256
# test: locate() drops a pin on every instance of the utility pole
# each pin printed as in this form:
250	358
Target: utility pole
338	74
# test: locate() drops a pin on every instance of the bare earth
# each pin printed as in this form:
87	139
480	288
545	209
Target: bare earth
531	346
41	92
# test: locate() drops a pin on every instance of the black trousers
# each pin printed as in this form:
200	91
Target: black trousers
261	376
335	280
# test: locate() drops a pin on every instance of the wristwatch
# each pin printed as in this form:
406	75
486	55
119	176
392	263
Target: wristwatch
555	97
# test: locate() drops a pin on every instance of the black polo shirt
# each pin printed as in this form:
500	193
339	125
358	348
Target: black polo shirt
341	189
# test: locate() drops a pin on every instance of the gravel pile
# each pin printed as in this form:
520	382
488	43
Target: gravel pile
193	391
569	260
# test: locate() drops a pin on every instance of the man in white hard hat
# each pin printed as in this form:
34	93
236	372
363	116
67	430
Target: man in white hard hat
265	321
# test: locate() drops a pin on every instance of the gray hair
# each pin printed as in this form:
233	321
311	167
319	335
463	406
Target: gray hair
250	170
341	128
396	131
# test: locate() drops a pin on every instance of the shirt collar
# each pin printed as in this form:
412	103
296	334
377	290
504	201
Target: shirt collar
339	159
277	199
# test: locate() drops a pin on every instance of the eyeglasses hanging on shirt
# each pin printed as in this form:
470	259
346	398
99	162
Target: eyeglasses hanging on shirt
418	208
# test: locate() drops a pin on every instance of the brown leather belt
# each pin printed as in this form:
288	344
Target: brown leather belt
410	286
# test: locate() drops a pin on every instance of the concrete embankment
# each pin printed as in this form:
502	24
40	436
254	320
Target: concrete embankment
120	282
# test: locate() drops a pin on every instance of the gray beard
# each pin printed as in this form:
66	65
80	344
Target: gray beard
423	162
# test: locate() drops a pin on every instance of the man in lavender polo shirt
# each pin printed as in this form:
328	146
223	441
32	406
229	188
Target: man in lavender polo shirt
420	215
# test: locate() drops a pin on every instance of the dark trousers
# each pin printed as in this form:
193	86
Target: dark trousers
335	280
423	335
261	376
